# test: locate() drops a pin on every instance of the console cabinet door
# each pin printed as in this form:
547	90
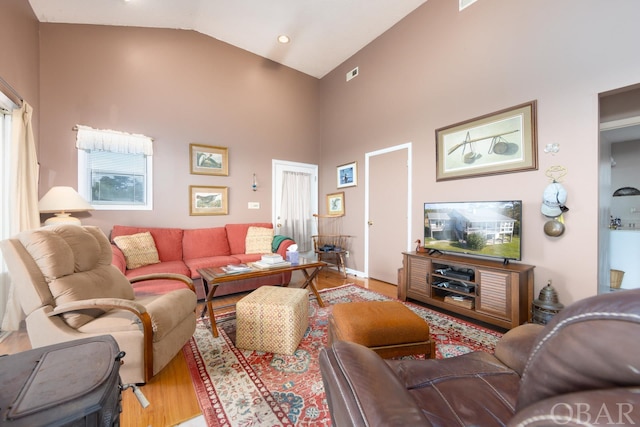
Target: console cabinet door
495	293
418	285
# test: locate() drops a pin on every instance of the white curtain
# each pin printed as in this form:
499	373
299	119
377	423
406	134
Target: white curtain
21	199
113	141
297	221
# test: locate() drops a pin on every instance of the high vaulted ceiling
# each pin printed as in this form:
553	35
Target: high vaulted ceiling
324	33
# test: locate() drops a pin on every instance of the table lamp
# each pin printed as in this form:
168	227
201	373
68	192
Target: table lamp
61	201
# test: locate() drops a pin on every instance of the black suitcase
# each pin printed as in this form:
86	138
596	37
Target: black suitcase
75	383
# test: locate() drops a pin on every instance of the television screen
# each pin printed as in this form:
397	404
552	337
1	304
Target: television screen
487	229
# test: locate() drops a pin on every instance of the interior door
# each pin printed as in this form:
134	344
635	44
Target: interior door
388	211
279	168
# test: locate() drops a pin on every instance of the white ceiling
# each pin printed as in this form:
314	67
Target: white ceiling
324	33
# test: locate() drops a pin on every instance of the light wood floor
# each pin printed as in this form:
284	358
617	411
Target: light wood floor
171	392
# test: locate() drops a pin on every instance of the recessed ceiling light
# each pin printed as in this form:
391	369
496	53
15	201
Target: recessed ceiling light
284	39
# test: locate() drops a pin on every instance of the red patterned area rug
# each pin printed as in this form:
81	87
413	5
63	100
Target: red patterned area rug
251	388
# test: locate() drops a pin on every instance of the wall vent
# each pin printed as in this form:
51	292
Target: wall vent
353	73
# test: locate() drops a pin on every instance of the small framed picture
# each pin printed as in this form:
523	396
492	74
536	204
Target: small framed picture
348	175
206	200
335	204
208	160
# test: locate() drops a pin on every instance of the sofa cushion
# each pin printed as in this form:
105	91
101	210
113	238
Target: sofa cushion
168	240
237	235
205	242
146	288
139	249
258	240
175	267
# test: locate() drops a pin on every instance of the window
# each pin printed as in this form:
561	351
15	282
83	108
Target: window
114	169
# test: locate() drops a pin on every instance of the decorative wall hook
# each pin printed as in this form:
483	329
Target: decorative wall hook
556	173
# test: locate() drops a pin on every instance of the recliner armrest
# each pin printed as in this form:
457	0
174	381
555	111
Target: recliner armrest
100	303
362	390
515	346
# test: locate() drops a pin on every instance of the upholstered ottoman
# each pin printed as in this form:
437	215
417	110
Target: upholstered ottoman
272	319
387	327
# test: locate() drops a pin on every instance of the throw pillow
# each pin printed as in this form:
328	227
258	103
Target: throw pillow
138	249
258	240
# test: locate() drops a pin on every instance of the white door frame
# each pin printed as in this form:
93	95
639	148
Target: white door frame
367	156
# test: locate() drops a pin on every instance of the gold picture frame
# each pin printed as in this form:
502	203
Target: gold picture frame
347	175
208	200
496	143
335	204
208	160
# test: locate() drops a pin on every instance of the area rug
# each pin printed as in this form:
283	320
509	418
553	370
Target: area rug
252	388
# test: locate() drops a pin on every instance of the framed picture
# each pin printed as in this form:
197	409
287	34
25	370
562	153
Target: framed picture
347	175
335	204
204	200
208	160
500	142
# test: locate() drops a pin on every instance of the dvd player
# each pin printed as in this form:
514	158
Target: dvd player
462	275
457	286
461	287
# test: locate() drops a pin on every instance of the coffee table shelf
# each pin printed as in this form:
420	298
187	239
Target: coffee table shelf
214	277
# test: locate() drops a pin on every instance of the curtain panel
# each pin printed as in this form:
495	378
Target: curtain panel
22	188
296	205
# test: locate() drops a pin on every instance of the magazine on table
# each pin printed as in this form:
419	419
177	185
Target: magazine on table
236	268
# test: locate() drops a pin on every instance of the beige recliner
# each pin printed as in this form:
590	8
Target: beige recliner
69	290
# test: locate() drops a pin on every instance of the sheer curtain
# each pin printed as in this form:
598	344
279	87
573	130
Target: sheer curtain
297	220
19	199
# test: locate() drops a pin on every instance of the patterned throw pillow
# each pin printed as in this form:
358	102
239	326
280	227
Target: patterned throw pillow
258	240
138	249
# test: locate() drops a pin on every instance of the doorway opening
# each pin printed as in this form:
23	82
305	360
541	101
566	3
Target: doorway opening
295	201
619	216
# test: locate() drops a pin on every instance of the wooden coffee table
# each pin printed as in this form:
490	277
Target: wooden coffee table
214	277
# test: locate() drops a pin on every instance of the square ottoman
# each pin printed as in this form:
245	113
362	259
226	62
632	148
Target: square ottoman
272	319
389	328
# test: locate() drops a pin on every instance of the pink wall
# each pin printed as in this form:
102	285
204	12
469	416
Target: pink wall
178	87
19	56
440	66
435	68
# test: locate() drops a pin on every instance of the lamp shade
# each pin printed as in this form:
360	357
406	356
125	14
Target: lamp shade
60	200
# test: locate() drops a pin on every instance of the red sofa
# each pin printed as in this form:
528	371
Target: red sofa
184	251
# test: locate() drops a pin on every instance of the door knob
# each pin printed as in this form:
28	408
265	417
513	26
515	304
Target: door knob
370	222
278	225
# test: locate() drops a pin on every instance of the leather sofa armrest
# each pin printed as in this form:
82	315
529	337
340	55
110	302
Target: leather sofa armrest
515	346
362	390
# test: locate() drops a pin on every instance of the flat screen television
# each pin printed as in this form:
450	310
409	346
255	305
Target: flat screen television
485	229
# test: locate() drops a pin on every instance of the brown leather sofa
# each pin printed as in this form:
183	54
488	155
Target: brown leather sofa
583	368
